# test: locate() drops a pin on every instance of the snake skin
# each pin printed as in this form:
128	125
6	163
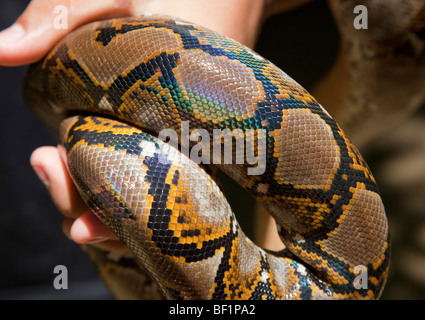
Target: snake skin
110	87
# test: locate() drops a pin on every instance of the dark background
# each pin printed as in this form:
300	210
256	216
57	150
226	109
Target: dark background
303	43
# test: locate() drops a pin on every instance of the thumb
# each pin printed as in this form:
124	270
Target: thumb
44	22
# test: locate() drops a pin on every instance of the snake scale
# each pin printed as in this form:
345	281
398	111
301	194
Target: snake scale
110	87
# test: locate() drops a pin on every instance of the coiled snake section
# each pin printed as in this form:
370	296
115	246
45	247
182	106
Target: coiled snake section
112	87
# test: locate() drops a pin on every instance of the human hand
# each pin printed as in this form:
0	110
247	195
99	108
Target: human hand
80	224
34	33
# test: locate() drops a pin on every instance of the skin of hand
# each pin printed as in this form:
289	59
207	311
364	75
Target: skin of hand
33	34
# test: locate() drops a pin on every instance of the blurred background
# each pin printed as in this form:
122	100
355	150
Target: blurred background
303	43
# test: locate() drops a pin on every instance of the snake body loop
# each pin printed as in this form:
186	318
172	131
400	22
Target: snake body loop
112	86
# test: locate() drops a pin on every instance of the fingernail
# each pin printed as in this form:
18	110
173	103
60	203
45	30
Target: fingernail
96	240
12	34
41	174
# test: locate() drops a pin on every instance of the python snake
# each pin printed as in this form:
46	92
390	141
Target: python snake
111	87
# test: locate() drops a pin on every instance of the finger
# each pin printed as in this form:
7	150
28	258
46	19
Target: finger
49	167
44	22
110	245
88	229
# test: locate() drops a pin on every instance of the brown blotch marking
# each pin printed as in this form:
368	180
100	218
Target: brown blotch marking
361	234
304	160
103	64
230	88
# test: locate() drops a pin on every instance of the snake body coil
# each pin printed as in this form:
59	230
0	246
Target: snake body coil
116	84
